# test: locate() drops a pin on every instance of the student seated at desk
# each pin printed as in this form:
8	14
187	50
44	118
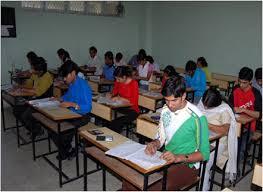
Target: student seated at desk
201	63
245	98
95	61
145	71
156	67
168	72
257	81
134	60
125	89
221	120
119	60
109	67
195	80
63	55
186	141
30	57
78	98
39	84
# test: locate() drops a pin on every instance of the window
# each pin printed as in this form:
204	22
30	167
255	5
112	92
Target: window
103	8
33	4
76	6
55	6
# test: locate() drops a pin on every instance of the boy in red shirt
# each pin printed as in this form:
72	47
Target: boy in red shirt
245	98
125	89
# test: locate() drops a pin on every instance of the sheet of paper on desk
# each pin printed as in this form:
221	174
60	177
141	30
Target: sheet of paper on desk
46	102
152	94
134	152
108	101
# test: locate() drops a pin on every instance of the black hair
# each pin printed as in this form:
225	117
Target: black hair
119	56
190	66
122	71
258	73
212	98
39	64
245	74
150	59
170	71
142	51
65	56
67	68
202	61
109	54
174	86
61	51
31	55
142	56
93	49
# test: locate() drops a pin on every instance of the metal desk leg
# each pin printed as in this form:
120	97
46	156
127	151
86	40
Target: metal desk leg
60	156
145	183
33	143
164	179
214	166
103	178
17	133
246	152
85	171
77	150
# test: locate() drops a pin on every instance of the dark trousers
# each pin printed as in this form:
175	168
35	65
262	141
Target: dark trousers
129	115
24	114
66	137
178	176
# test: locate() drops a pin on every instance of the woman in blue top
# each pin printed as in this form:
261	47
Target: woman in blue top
195	80
78	98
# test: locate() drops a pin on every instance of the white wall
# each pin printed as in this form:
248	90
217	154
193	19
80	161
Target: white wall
44	33
227	34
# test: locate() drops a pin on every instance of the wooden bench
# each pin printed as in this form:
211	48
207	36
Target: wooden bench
121	169
52	124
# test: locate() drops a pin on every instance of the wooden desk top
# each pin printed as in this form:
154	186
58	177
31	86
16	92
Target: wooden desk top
244	119
122	105
147	117
19	93
155	97
102	82
117	140
53	71
58	113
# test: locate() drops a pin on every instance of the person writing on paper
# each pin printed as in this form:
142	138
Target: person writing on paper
125	89
95	60
63	55
119	60
183	129
108	68
221	120
77	99
40	84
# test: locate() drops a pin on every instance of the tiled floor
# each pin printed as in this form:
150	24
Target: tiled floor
19	171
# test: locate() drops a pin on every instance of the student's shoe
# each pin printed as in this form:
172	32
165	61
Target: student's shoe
71	154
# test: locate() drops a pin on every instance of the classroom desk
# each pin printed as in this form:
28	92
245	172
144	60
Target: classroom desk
59	88
87	70
53	72
106	111
150	100
14	97
19	77
257	177
242	121
224	82
54	119
97	85
155	86
124	168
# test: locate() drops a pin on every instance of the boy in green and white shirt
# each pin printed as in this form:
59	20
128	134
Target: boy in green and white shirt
184	131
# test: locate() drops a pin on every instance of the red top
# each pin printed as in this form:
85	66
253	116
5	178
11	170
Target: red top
245	100
128	91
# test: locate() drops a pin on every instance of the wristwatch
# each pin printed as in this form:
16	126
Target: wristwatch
77	107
